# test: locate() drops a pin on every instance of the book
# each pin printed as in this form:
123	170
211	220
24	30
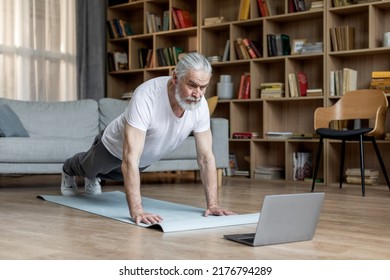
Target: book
263	9
149	59
293	85
286	47
238	49
142	57
243	12
279	47
380	74
369	172
247	86
349	80
248	47
226	56
165	26
213	20
269	172
302	83
111	32
279	134
271	45
357	180
314	92
175	19
256	46
240	94
184	18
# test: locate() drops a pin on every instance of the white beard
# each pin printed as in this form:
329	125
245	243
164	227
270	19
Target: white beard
195	102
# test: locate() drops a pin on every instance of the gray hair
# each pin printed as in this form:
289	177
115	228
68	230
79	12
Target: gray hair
192	61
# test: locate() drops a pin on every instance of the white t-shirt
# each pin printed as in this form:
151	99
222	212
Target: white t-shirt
149	110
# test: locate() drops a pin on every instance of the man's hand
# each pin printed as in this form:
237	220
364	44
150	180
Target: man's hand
217	211
146	218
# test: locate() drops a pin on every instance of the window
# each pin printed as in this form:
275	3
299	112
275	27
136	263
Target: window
38	50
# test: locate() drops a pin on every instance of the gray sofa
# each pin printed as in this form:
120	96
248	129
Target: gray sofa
58	130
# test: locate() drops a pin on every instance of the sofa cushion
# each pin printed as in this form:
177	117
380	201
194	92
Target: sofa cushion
212	103
42	150
72	119
110	109
10	125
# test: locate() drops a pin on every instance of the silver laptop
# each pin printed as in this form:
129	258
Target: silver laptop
284	218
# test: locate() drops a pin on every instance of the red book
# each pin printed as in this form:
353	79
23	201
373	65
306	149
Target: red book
184	18
247	92
262	8
240	94
248	47
302	83
175	18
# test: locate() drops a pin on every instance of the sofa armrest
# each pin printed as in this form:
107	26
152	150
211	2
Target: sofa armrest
220	132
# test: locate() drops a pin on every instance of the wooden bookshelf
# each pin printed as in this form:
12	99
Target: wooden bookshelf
370	20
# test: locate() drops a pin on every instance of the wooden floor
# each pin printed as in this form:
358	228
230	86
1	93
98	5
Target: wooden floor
350	226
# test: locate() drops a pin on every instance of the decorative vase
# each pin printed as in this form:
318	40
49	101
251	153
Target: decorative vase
225	87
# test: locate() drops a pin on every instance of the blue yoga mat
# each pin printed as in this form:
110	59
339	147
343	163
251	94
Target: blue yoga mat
177	217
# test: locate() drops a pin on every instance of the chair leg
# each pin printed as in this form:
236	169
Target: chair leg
361	144
378	154
341	171
319	152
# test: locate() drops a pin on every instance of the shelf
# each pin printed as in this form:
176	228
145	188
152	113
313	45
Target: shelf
295	114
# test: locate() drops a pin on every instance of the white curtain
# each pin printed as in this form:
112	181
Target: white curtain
38	50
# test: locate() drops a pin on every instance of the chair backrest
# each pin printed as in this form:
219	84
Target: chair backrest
358	104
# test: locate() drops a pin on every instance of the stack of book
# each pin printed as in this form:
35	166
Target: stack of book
341	3
278	44
272	90
380	80
118	28
168	56
314	92
244	89
155	23
269	173
315	47
342	38
279	134
214	58
353	176
316	5
342	81
246	48
181	18
213	20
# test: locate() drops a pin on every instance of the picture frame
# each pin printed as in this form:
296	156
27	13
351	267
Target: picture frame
297	45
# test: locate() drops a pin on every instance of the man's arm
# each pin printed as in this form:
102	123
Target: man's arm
208	173
133	144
